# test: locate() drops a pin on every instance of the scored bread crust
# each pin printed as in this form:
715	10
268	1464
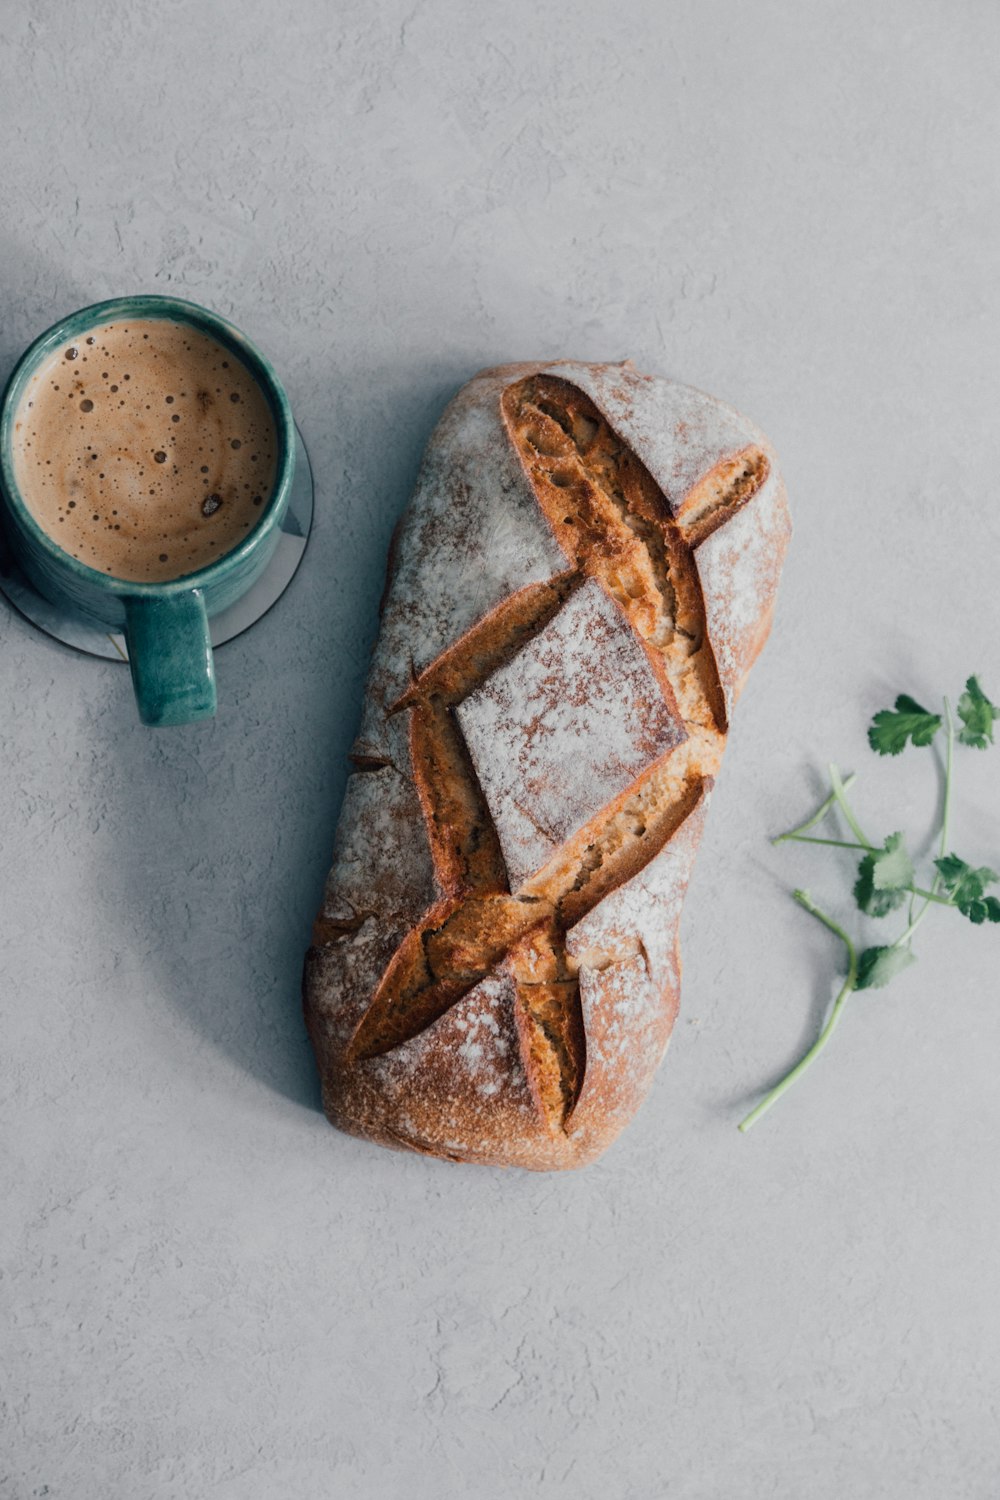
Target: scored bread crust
584	576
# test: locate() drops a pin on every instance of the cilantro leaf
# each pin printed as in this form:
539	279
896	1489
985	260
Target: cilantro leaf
873	902
891	728
952	870
893	866
977	714
877	967
987	910
967	888
884	877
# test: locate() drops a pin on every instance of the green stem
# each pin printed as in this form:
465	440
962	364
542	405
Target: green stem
904	937
834	1019
817	816
949	754
807	838
845	807
931	897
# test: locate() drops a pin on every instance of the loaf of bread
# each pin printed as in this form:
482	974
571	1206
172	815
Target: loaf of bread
583	578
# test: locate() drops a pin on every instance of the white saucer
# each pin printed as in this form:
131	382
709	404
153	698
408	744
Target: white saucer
86	635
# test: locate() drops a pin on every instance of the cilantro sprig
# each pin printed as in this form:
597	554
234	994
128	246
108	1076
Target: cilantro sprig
886	877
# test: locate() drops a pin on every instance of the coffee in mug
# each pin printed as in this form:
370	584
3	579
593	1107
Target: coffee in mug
145	449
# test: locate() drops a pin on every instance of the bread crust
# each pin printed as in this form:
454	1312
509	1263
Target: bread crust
576	593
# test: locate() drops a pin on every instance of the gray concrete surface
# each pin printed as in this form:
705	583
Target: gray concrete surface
205	1290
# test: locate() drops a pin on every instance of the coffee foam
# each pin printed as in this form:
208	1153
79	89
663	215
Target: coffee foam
145	449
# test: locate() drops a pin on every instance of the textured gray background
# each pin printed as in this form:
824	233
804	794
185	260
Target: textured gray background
205	1290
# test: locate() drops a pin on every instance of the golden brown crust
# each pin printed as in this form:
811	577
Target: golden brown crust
543	721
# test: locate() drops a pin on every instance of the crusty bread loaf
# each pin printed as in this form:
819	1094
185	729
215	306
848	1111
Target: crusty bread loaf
583	579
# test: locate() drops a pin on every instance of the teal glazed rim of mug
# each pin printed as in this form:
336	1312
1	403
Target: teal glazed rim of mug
169	309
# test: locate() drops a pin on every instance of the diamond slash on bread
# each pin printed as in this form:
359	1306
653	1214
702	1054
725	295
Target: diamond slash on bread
577	591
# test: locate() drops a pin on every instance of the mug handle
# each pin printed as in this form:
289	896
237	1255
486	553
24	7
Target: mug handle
170	655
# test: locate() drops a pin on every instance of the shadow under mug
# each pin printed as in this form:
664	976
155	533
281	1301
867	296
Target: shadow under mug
165	624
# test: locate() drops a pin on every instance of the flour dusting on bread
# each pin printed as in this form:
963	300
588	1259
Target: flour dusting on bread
582	581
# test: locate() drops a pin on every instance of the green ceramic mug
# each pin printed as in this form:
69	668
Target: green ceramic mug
165	624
